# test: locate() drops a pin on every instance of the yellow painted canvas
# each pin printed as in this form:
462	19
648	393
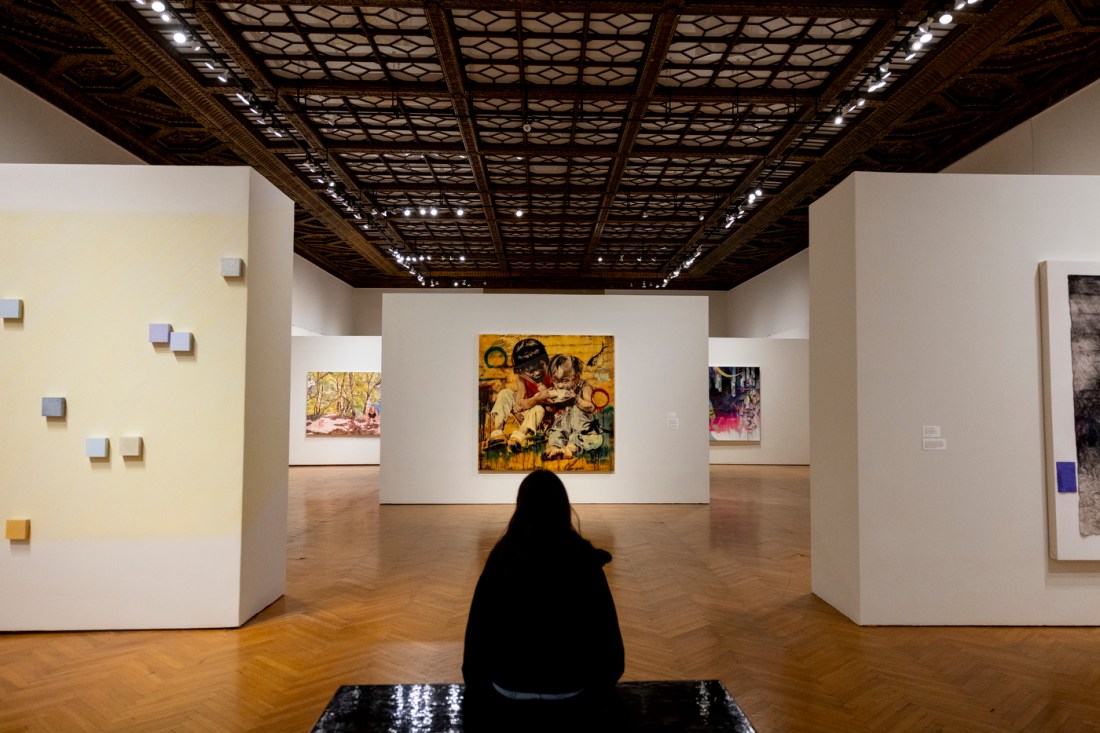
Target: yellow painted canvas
342	404
546	402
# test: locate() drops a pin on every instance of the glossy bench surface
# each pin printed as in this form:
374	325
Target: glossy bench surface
684	706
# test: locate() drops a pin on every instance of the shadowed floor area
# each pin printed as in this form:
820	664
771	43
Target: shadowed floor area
379	595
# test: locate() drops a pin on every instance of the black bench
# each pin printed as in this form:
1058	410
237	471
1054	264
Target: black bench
693	706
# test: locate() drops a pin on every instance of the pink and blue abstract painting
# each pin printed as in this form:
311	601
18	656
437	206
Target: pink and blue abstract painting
734	404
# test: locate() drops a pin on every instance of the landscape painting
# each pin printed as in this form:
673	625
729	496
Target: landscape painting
344	404
546	401
734	404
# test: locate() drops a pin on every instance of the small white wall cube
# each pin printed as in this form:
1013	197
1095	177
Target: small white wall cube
97	447
180	341
130	446
53	407
159	333
232	266
11	309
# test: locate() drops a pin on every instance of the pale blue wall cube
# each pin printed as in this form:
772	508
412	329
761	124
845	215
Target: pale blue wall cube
11	308
53	407
180	341
159	333
97	447
232	266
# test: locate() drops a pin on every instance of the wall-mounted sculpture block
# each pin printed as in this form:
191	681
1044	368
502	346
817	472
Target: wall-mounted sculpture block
159	333
97	447
232	266
17	529
53	407
130	446
180	341
11	309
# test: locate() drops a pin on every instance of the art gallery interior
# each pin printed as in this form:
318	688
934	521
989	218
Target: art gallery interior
836	574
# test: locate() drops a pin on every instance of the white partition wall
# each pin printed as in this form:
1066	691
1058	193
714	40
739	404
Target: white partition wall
784	400
190	532
338	354
925	313
430	371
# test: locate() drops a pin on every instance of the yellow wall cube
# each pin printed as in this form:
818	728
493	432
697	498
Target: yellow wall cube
17	529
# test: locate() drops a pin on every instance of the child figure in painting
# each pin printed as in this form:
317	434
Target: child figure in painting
575	428
524	399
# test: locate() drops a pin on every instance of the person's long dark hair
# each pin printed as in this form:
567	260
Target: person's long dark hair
543	514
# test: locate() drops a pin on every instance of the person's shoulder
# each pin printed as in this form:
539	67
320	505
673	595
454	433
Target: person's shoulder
590	553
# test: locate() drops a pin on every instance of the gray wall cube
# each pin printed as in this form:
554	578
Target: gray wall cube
11	308
53	407
232	266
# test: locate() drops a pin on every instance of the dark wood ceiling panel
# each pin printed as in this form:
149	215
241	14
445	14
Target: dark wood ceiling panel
585	145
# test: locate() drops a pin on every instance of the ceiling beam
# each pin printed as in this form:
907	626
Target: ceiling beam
660	39
978	41
118	30
449	58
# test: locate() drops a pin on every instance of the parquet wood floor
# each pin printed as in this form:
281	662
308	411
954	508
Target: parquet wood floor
379	595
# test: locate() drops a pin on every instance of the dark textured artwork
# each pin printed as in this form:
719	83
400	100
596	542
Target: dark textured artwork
1084	313
734	404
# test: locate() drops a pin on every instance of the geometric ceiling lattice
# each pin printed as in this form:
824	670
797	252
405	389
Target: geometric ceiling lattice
586	146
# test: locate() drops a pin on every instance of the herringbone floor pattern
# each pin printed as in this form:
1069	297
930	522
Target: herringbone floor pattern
379	595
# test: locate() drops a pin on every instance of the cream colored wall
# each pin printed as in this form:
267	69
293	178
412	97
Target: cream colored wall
97	253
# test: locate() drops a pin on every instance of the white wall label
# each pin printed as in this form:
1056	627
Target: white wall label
673	421
934	444
932	431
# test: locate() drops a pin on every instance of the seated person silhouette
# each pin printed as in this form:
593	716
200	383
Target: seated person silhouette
542	624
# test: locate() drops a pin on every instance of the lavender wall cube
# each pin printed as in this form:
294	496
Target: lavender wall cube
180	341
159	333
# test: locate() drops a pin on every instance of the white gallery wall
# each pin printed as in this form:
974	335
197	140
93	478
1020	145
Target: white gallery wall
321	303
1061	140
34	131
774	304
192	532
331	354
430	368
784	400
925	312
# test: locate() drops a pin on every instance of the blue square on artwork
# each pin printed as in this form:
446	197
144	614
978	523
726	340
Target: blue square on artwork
1067	477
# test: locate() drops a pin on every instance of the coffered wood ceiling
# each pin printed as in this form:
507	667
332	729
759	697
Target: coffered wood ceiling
629	134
